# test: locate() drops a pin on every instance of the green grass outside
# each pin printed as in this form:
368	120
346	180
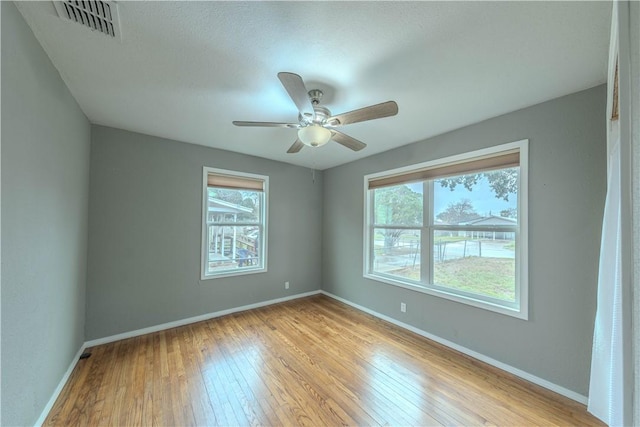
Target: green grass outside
492	277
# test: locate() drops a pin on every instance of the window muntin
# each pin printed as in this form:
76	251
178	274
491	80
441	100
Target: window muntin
468	245
234	223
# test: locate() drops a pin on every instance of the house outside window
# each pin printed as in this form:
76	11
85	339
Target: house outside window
454	227
234	223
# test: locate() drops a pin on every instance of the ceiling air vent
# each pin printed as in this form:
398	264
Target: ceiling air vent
98	15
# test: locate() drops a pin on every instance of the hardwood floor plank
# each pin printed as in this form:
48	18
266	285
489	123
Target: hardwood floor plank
336	375
439	373
161	409
147	418
200	403
264	367
242	370
313	385
313	361
364	369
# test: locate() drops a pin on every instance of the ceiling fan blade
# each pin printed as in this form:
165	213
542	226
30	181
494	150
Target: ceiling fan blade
298	92
297	146
347	141
266	124
378	111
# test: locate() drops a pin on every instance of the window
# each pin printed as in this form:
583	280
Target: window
234	223
454	227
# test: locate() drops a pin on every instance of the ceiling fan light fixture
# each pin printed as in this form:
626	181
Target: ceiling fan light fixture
314	135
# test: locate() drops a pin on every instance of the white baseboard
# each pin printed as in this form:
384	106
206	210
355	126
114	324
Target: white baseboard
194	319
138	332
58	389
522	374
515	371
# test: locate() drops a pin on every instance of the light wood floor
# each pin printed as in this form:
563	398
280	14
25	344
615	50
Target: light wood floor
313	361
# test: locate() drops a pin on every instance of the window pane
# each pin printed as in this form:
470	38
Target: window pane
398	205
479	262
397	252
232	248
226	205
485	198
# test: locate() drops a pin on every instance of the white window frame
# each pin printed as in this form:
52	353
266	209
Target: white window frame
520	309
263	226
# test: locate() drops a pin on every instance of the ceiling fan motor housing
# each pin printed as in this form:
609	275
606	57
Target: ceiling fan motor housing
321	114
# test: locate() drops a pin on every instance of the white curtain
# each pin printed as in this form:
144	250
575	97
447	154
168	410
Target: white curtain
606	382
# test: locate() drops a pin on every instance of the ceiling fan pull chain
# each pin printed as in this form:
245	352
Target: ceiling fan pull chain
313	168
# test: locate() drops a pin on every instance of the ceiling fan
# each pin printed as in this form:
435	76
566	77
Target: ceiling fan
316	125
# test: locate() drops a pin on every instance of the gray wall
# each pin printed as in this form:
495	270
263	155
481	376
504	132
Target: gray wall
145	233
567	149
45	171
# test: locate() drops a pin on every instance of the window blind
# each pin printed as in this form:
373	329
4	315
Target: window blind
496	161
234	182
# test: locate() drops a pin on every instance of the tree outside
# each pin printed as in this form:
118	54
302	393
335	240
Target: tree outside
458	212
503	182
509	213
397	205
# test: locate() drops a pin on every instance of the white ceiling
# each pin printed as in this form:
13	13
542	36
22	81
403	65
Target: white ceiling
185	70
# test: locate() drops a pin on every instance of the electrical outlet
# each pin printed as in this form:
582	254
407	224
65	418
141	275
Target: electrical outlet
286	285
403	307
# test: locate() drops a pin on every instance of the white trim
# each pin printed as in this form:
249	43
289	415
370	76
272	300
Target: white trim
367	218
486	359
61	384
520	308
522	247
231	273
92	343
264	225
194	319
151	329
443	293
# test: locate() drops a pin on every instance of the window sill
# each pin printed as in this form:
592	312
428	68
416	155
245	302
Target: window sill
231	273
513	312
